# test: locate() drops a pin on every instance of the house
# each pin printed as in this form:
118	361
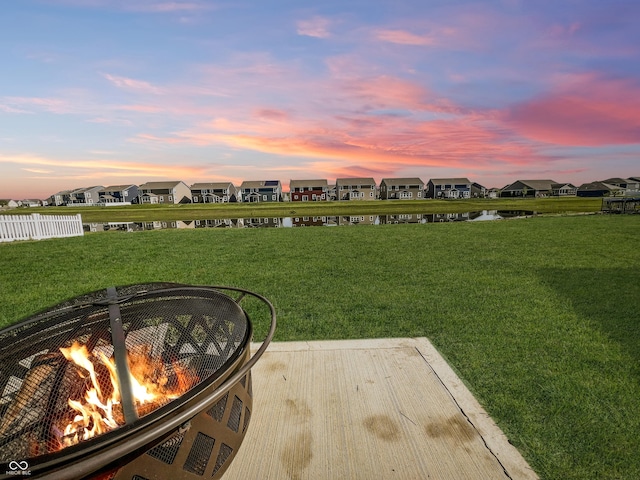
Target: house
493	192
85	196
478	191
59	198
355	189
165	192
308	190
448	188
563	190
631	187
120	194
529	188
261	191
331	192
8	203
31	202
599	189
216	192
401	188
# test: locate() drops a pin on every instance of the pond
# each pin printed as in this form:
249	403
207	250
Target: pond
311	221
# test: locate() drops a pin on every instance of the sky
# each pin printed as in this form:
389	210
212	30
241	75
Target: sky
111	92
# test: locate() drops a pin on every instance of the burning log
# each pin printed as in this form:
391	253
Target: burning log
43	367
100	408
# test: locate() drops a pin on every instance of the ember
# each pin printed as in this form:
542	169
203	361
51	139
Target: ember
152	384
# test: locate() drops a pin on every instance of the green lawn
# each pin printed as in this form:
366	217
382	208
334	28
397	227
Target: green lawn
540	316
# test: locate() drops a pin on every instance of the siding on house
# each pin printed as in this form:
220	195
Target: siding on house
401	188
355	189
119	194
564	190
216	192
261	191
165	192
449	188
308	190
85	196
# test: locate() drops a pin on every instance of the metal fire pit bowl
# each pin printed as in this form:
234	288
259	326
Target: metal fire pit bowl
198	338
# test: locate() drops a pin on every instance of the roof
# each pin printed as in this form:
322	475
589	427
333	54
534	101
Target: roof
260	183
402	181
597	186
534	184
356	181
151	185
616	181
211	185
438	181
111	188
308	183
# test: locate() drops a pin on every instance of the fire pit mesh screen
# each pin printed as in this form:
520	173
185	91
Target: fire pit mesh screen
177	340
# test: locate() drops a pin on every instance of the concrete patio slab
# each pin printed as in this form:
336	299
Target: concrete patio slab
367	409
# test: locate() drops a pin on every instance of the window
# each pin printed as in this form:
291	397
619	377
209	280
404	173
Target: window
195	199
305	198
274	197
170	198
370	194
264	197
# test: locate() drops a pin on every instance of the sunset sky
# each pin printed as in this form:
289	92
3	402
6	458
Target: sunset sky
105	92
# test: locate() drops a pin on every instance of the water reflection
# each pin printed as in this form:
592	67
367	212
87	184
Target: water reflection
310	221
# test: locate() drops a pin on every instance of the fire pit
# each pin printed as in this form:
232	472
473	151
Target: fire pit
140	382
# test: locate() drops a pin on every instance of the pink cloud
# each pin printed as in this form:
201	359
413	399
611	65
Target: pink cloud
584	110
132	84
403	37
54	105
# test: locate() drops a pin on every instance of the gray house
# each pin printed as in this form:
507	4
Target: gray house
449	188
261	191
401	189
216	192
119	194
599	189
85	196
165	192
355	189
631	186
529	188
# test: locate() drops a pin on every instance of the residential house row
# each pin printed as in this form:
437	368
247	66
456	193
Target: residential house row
344	189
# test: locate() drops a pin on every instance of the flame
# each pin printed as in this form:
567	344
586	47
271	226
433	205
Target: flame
100	409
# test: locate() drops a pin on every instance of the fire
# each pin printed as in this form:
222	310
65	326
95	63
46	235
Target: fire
100	409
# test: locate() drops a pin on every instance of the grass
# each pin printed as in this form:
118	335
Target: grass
538	316
148	213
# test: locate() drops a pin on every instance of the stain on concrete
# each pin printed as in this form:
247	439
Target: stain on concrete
455	428
297	454
383	427
274	366
298	408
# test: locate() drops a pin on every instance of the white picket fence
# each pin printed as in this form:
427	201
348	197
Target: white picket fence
38	227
